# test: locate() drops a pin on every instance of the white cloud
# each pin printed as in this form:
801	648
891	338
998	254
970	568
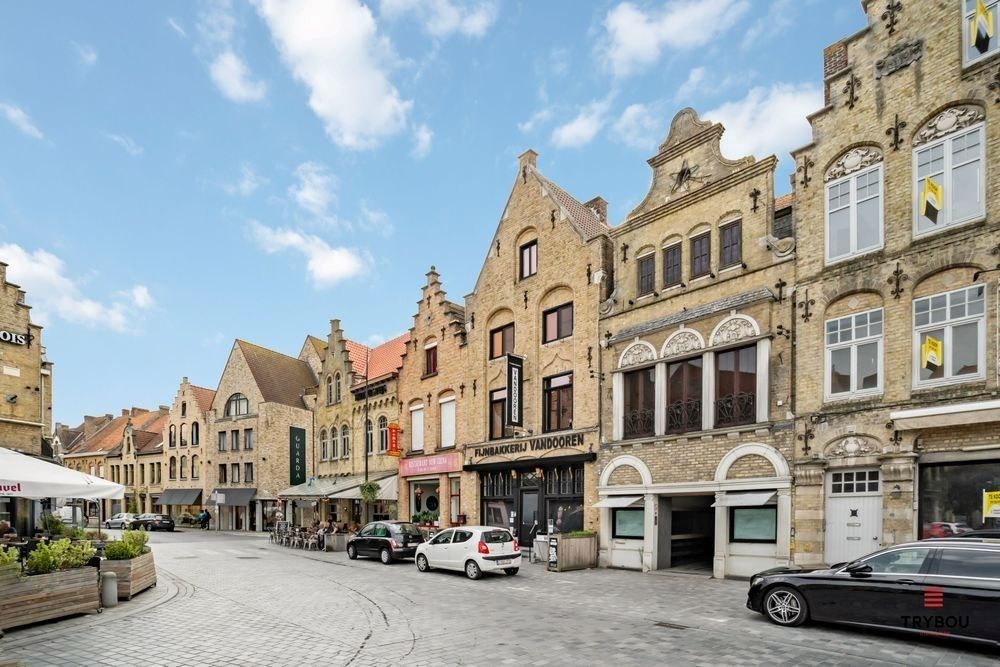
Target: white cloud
249	181
326	265
636	37
780	15
374	340
314	192
422	138
333	47
216	24
86	54
640	126
696	77
52	292
768	120
176	27
583	128
442	18
19	119
375	221
235	80
130	146
537	118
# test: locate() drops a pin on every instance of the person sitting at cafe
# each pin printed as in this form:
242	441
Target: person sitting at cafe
7	529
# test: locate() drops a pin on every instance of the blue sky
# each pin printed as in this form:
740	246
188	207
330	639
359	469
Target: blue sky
174	176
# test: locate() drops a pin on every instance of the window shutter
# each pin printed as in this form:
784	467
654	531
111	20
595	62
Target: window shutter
447	423
417	429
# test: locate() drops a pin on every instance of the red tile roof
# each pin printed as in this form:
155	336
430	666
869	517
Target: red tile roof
385	359
280	378
583	218
784	201
204	397
106	438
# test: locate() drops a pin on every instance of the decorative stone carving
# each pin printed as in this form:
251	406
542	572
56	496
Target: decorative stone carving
948	121
780	247
899	56
682	342
637	353
733	330
852	445
853	160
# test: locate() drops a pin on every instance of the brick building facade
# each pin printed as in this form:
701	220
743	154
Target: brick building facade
184	450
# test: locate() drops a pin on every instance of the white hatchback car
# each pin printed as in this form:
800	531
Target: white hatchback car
472	549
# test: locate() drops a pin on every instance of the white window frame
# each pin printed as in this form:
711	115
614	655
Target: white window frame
948	325
947	181
417	435
851	179
853	344
991	5
453	406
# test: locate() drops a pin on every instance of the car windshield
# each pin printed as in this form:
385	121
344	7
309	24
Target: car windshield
497	537
405	529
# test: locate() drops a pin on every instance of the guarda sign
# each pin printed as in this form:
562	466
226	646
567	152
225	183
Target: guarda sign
13	338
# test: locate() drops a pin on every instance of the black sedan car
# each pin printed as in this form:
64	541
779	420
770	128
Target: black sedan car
153	522
942	587
386	540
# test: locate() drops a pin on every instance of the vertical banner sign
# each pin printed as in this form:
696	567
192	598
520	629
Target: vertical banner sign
515	371
393	439
296	455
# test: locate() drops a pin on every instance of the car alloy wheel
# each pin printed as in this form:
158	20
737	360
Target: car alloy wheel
352	552
422	563
386	556
472	570
785	606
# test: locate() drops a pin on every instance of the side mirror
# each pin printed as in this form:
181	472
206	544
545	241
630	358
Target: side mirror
859	569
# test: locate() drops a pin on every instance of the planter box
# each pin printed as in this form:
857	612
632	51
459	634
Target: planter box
576	553
43	597
134	576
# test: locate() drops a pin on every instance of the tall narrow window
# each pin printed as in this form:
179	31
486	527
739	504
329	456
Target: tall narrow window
383	434
336	388
950	336
701	255
731	244
448	421
184	439
417	428
498	406
736	386
950	186
854	355
369	436
172	436
557	323
640	390
184	467
345	441
195	467
529	259
184	409
646	266
248	472
672	265
334	443
684	395
222	441
502	341
234	473
854	214
557	401
329	390
324	446
248	439
234	441
222	473
431	360
195	434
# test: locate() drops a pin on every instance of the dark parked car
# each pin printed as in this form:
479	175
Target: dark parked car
943	587
982	533
154	522
387	540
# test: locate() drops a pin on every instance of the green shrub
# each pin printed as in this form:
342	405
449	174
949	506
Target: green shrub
9	555
53	524
95	535
58	555
131	545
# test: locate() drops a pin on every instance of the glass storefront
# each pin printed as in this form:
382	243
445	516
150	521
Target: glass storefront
951	497
534	497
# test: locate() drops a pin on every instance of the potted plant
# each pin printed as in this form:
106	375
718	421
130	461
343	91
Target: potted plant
55	582
132	561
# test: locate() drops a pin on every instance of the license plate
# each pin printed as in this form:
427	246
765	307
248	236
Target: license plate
503	562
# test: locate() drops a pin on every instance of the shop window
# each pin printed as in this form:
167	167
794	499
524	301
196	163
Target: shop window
558	403
498	408
640	390
456	498
248	439
950	337
854	355
672	265
952	495
417	428
566	515
557	323
854	481
448	406
431	360
854	214
628	523
529	259
195	434
950	184
646	274
753	524
701	255
977	42
237	405
248	472
731	244
383	434
684	395
345	441
502	341
736	387
324	446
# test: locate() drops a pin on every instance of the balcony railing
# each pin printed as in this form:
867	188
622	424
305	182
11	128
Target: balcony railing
736	409
638	423
683	416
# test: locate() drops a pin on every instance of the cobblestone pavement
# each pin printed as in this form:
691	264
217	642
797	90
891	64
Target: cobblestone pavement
226	599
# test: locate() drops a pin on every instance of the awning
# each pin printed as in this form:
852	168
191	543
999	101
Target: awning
235	497
943	416
754	499
388	489
24	476
180	497
316	487
618	501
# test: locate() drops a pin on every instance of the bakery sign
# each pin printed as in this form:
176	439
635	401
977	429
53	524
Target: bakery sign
530	446
13	338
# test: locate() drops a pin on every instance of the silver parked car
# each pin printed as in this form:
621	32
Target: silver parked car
121	520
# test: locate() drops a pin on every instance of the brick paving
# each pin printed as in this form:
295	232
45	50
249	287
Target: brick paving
236	600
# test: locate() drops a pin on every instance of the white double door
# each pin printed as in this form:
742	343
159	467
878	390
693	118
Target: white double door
853	514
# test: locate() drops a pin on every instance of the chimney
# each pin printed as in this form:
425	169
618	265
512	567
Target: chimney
528	158
3	273
600	207
126	412
834	59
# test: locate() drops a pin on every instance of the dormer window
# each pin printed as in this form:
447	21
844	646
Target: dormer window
237	405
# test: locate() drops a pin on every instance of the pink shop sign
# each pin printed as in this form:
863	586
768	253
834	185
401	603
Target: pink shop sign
425	465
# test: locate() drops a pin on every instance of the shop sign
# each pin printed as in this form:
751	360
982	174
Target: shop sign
393	439
541	444
13	338
515	371
425	465
991	504
296	455
377	390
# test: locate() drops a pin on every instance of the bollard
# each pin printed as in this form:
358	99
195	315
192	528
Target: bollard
109	589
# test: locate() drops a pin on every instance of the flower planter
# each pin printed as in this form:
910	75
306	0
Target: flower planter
134	575
575	552
43	597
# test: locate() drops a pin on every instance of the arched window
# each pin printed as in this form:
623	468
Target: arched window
323	446
184	465
345	441
173	467
383	433
369	436
333	443
237	405
329	389
184	440
184	409
195	467
336	389
172	438
194	434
